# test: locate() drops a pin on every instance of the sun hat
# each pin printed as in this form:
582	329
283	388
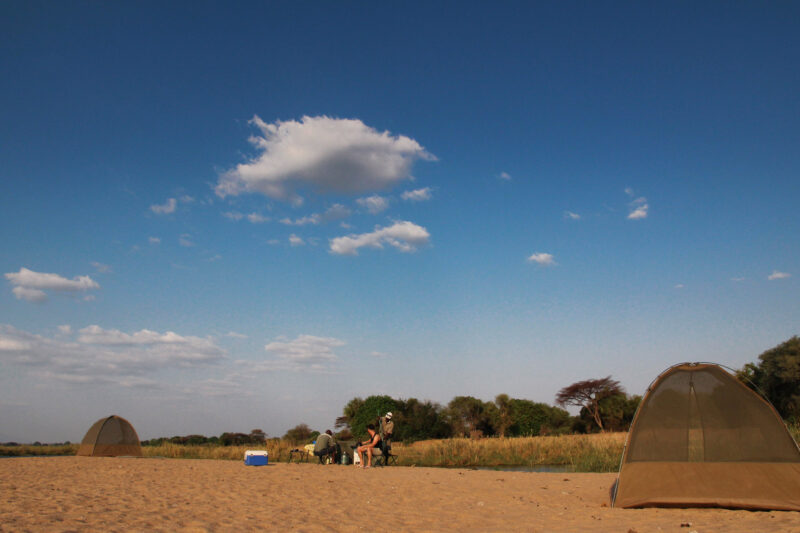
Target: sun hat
389	415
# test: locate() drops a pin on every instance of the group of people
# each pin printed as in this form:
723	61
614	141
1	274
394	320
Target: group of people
379	440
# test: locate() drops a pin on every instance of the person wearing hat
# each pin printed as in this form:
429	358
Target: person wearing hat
387	429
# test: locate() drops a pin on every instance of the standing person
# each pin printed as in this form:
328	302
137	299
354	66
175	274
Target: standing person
325	445
387	429
370	447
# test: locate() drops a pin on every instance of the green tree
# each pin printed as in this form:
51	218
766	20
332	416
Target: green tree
298	434
777	376
587	394
360	413
505	417
466	414
416	420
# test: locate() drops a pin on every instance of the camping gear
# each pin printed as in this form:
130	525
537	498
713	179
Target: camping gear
345	459
256	457
701	438
110	437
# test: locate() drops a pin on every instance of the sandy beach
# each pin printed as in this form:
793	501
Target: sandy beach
126	494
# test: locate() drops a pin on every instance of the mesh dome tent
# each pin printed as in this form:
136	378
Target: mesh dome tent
109	437
701	438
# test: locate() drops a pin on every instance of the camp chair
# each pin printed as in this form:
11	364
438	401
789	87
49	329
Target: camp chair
387	457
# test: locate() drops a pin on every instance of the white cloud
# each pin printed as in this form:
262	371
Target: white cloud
333	213
65	329
638	207
310	219
778	275
186	199
306	353
322	153
572	216
233	215
166	208
31	295
185	240
417	195
106	356
253	218
638	212
737	280
403	235
294	240
30	285
154	240
379	355
101	268
543	259
680	286
306	348
235	335
374	204
504	176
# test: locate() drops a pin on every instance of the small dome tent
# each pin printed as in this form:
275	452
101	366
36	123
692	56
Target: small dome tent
701	438
109	437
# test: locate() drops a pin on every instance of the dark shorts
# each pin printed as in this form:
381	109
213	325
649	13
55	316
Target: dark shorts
330	450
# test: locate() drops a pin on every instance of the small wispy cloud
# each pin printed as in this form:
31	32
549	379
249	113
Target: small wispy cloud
680	286
778	275
374	204
417	195
295	240
185	240
504	176
30	285
738	280
154	240
403	235
543	259
639	207
569	215
101	268
333	213
165	208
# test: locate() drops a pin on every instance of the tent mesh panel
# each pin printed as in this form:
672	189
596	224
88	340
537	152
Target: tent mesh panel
700	413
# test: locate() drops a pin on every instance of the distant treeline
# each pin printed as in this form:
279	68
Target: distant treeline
604	407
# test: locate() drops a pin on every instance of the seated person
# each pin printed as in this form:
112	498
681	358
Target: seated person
325	445
371	447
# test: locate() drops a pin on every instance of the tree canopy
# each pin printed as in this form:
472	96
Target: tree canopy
587	394
777	376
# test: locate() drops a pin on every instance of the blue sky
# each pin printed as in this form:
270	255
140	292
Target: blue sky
218	217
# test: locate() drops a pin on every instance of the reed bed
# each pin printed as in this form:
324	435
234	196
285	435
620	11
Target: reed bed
278	451
26	450
581	453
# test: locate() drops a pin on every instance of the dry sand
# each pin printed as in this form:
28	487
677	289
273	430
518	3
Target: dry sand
126	494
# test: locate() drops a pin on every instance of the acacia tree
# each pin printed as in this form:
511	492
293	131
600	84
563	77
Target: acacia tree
587	394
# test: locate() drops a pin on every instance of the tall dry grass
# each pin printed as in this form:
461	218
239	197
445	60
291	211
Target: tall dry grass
25	450
582	453
278	451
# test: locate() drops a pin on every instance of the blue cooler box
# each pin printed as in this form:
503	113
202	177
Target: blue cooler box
256	457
